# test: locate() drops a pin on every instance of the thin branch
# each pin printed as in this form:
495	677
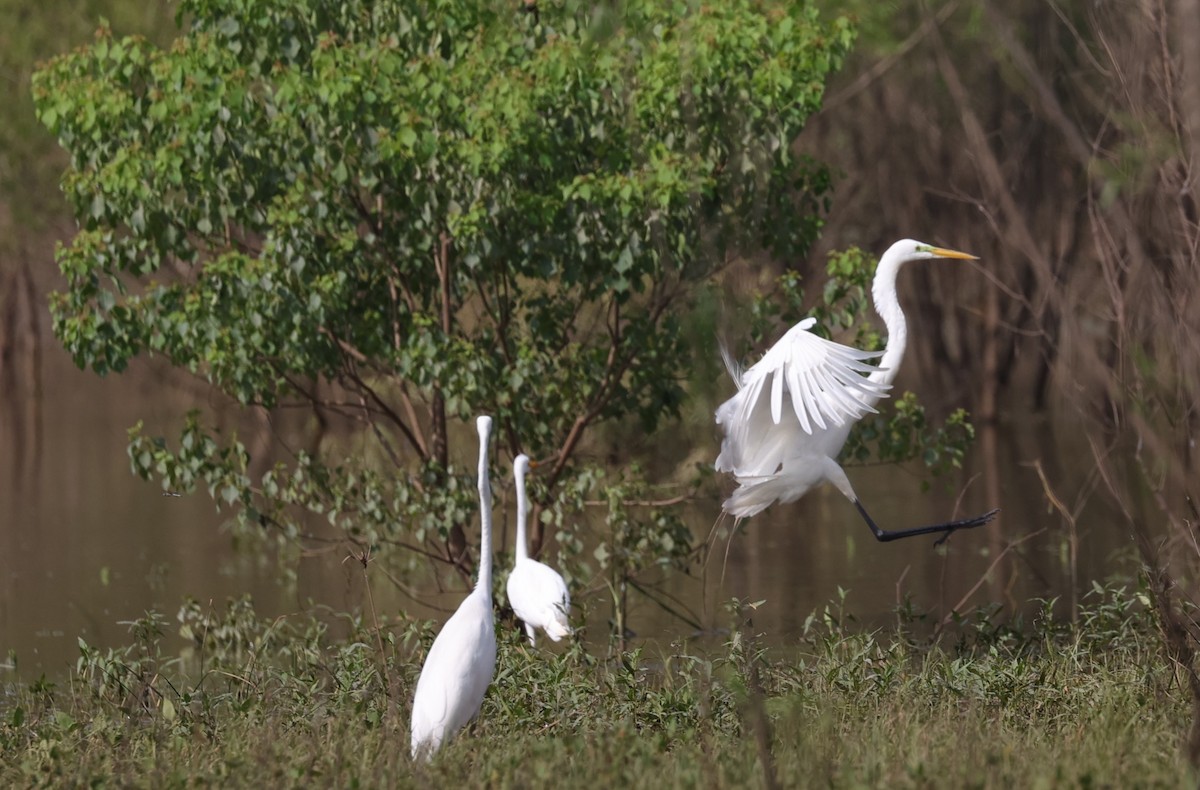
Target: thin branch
413	422
349	371
689	618
415	549
387	446
885	64
983	578
417	444
675	500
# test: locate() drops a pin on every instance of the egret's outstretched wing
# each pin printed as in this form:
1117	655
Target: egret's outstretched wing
827	386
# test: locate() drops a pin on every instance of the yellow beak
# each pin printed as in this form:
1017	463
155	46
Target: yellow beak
941	252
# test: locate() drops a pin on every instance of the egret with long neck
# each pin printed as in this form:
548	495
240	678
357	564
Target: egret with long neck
536	592
462	660
777	454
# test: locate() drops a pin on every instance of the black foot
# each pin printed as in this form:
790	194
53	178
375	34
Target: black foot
969	523
884	536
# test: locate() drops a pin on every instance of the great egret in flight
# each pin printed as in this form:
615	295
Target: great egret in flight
461	662
777	453
536	591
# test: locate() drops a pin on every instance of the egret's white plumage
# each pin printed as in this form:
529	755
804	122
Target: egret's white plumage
462	660
779	454
536	592
826	388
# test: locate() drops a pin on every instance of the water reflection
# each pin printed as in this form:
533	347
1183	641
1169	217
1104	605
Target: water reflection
85	545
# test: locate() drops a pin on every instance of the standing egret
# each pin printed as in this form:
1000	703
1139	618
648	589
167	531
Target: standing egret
779	454
461	662
536	591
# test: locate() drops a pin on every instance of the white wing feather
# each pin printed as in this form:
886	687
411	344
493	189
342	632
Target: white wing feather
828	386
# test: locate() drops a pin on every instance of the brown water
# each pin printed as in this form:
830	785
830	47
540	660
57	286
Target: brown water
85	545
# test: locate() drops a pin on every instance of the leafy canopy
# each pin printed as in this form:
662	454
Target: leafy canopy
409	213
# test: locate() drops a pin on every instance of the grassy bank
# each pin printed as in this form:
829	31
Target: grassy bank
255	703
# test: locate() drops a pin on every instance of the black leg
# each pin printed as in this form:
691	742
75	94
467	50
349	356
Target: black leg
883	535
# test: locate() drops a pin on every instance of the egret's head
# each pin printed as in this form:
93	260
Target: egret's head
522	464
911	250
484	424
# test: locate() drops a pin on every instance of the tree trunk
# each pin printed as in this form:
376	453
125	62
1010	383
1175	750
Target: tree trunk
456	541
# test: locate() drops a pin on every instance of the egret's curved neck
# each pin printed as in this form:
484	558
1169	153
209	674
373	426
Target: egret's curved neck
485	517
522	514
887	304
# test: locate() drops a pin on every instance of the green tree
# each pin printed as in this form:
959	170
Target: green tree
408	213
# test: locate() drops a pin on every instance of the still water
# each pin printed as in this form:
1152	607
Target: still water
84	545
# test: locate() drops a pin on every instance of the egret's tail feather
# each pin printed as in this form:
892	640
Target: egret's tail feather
752	496
557	627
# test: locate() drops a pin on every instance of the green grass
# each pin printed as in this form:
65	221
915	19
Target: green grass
254	703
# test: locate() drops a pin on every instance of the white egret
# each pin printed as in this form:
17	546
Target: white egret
779	454
461	662
536	591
